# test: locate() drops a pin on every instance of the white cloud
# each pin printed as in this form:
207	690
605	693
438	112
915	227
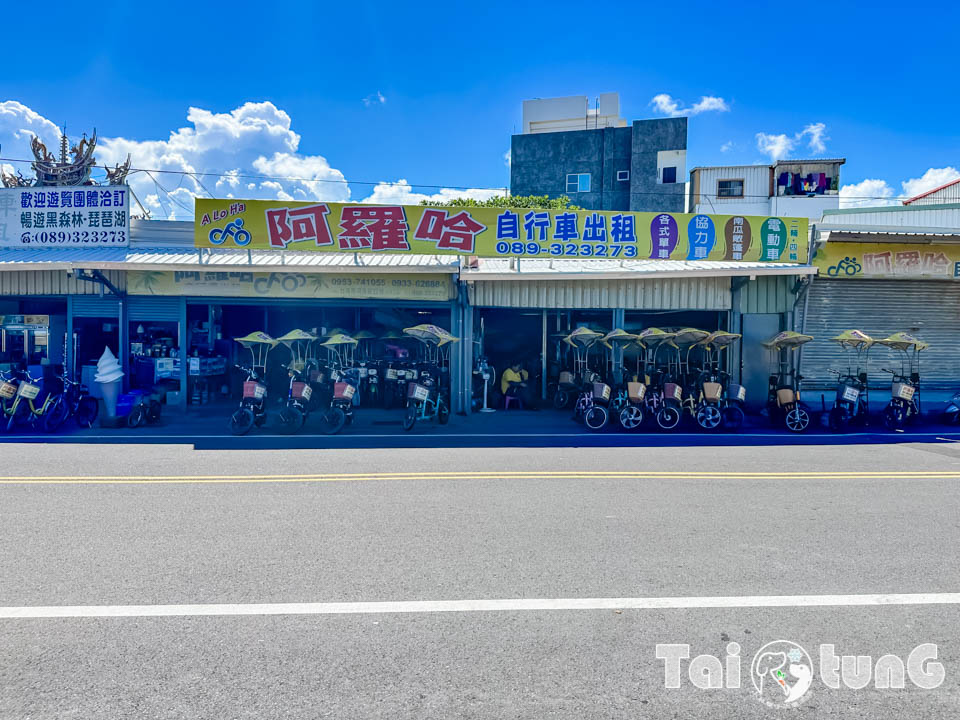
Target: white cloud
727	146
932	178
867	193
776	146
816	137
250	152
508	158
401	193
375	99
875	192
780	146
667	105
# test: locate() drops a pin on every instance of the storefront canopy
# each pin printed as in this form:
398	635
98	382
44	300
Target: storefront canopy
537	269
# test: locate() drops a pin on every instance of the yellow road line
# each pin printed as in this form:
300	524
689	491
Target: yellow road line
474	475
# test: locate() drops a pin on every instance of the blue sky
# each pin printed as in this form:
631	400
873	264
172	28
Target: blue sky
430	93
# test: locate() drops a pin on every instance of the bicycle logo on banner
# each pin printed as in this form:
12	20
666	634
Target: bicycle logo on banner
232	230
848	266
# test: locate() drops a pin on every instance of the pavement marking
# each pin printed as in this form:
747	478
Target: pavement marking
500	605
472	475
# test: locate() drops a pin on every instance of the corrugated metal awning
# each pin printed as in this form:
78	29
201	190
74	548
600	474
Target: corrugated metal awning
651	293
179	259
537	269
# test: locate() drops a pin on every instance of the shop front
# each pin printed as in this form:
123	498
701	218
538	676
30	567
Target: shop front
522	312
883	282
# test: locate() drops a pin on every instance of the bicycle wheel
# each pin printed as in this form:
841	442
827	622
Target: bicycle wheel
241	421
332	420
87	410
893	418
443	413
56	415
410	418
291	420
708	416
732	418
797	420
137	417
631	417
668	418
596	418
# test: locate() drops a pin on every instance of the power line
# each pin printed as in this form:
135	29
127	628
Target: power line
395	183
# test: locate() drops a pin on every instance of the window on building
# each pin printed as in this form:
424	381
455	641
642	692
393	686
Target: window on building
578	182
623	175
669	175
730	188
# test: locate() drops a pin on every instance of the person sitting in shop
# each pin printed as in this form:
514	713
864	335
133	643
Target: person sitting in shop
513	383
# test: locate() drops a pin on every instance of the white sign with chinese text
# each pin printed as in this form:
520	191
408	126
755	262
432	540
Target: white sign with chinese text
83	216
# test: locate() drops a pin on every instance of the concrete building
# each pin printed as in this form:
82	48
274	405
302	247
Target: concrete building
789	188
595	159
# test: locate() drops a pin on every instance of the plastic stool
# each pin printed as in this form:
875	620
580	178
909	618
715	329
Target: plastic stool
509	400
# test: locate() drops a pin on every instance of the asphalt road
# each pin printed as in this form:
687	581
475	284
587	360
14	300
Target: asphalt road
221	543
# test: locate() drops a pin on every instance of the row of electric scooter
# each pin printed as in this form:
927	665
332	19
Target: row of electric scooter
678	375
326	378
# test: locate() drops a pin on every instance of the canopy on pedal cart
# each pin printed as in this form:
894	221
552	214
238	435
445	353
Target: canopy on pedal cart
720	339
430	334
339	339
256	338
391	335
787	339
295	335
903	341
855	339
653	336
619	336
363	335
582	337
689	336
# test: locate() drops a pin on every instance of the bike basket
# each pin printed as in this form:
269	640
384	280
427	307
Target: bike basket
850	394
301	390
712	391
253	389
412	374
737	392
601	391
636	391
343	391
371	372
7	390
391	374
903	391
418	392
28	391
672	391
785	396
566	378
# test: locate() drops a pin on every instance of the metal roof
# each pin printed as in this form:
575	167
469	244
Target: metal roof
179	259
931	192
537	269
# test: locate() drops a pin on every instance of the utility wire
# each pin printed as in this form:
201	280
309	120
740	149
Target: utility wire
394	183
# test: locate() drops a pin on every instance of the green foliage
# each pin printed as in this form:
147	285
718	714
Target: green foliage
541	202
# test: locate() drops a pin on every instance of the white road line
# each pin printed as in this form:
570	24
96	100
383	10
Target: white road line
501	605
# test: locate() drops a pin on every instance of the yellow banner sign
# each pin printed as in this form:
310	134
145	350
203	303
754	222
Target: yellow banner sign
425	287
887	260
496	232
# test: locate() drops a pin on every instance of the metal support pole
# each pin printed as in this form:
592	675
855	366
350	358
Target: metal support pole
183	336
543	357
